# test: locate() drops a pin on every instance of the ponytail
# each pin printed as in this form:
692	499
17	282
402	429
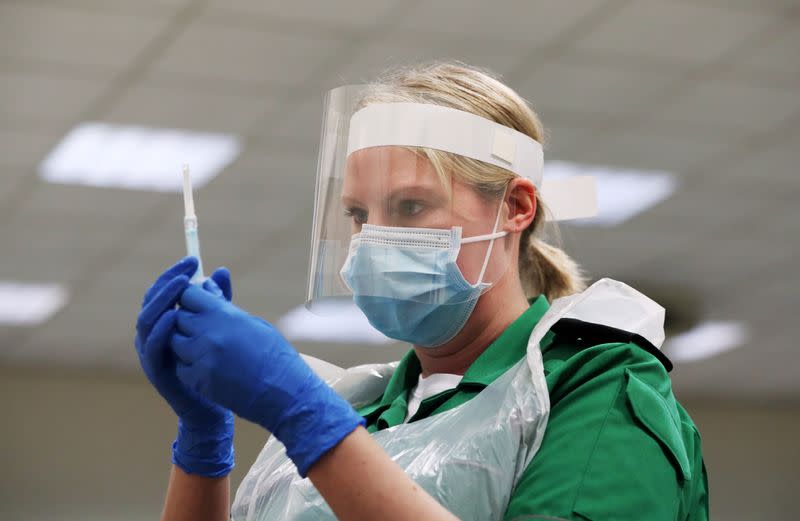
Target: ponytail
546	269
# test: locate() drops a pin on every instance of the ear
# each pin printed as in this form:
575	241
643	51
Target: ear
521	201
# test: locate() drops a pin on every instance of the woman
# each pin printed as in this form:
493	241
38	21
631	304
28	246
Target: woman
429	207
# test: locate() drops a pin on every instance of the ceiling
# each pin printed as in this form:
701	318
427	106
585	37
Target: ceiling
707	89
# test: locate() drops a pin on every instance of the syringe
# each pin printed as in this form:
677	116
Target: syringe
190	227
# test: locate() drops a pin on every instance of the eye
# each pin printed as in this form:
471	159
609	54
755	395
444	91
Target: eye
410	207
358	215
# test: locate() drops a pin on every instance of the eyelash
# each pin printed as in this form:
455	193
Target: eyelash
360	216
355	213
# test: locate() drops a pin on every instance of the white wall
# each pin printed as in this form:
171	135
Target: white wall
80	446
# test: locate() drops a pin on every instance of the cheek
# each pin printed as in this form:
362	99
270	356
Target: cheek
471	257
441	218
470	260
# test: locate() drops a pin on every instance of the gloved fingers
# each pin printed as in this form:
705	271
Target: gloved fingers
211	286
188	324
161	302
197	300
187	375
155	348
222	276
186	266
183	347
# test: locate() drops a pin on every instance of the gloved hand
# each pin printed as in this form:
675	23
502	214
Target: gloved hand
244	364
204	444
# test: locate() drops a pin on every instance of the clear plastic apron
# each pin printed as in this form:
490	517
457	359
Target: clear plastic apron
468	458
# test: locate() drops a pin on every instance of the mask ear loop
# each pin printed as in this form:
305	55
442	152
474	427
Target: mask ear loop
493	236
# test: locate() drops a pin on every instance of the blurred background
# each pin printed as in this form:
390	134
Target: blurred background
688	111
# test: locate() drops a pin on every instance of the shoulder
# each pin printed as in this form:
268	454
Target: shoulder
582	352
614	426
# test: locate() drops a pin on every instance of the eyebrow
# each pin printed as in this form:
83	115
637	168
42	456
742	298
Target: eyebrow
407	191
346	199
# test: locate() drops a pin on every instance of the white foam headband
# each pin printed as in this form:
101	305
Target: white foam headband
469	135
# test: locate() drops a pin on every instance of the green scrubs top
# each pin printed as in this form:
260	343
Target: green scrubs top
618	446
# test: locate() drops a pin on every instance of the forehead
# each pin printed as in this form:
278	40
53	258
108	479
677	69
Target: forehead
385	169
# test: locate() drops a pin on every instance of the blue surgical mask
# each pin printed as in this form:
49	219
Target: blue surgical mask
407	282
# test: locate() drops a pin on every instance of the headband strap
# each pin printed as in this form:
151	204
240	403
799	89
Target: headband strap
449	130
469	135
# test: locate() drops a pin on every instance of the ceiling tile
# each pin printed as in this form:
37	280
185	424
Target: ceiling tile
647	149
272	283
229	229
732	107
42	247
299	123
682	32
752	5
779	53
46	99
223	235
532	23
130	275
11	178
786	79
112	206
561	85
772	62
187	108
70	36
121	6
771	288
283	262
108	314
562	141
30	262
703	206
267	208
25	148
731	375
261	173
398	47
349	13
771	168
787	221
613	252
242	54
717	265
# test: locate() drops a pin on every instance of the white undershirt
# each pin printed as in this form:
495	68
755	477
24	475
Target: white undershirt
430	386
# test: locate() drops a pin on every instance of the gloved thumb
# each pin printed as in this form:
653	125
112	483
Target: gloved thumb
222	278
212	287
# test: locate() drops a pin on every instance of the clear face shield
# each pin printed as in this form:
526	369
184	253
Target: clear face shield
405	223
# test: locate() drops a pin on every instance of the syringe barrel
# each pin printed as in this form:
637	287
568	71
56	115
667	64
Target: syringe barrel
193	247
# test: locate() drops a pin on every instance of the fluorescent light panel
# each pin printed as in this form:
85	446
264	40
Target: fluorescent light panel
29	304
136	157
621	193
339	322
706	340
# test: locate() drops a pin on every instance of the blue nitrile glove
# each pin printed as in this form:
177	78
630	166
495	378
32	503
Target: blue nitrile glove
204	444
243	363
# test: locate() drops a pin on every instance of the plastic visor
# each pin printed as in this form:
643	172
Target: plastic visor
382	164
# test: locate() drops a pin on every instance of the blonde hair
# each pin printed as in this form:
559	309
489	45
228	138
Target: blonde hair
543	268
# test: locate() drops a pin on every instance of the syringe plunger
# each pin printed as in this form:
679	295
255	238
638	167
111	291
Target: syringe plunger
190	226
